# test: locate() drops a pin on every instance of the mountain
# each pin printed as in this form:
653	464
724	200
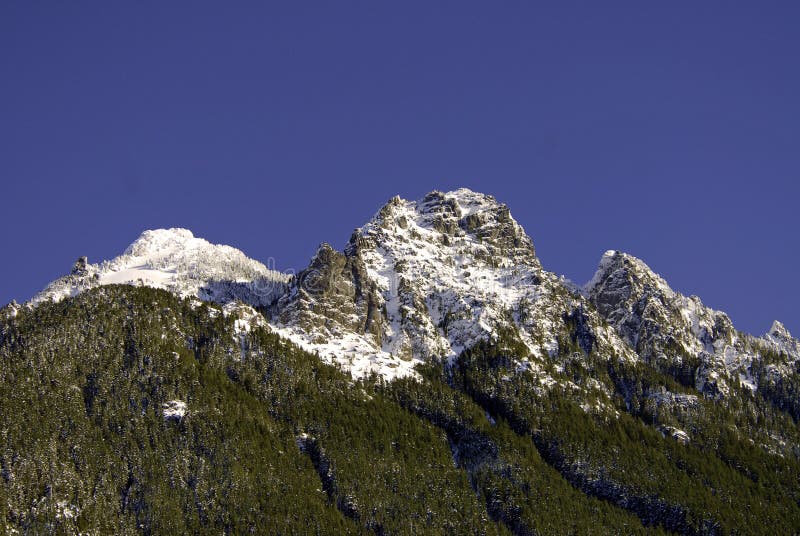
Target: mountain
681	336
432	376
175	260
431	278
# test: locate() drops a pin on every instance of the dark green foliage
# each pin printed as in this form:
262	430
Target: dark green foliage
718	483
519	488
85	445
276	442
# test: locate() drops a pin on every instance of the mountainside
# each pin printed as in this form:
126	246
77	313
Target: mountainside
431	377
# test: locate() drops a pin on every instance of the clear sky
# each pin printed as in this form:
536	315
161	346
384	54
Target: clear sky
669	130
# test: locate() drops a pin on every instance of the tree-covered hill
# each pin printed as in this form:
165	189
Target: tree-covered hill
128	410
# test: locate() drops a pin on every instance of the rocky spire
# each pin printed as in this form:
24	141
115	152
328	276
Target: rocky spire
80	266
779	331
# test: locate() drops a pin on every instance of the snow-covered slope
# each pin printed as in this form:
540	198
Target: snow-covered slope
430	278
174	259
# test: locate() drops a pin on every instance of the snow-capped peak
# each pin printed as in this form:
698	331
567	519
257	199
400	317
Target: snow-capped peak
174	259
665	326
153	242
782	340
614	261
602	267
428	278
779	331
467	200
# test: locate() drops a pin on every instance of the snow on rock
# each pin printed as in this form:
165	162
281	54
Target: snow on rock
669	400
603	267
427	279
174	409
65	510
665	327
11	310
778	332
353	353
779	338
245	319
675	433
174	259
422	279
669	329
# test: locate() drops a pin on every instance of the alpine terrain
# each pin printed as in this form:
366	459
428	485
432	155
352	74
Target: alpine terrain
432	377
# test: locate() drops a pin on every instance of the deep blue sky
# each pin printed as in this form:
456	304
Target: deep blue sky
668	131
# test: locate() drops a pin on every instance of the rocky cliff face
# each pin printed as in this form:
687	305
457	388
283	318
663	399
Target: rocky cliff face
678	334
781	340
429	278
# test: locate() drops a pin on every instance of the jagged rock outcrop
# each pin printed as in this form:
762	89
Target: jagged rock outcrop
781	340
676	333
332	300
427	279
80	267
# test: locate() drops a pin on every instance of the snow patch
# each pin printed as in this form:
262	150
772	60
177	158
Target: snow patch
675	433
174	409
65	510
355	354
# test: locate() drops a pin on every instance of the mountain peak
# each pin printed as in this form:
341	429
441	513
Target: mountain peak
477	221
461	202
162	240
430	278
616	265
778	330
176	260
468	201
606	261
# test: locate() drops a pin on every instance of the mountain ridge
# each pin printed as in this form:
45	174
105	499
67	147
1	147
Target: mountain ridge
434	352
456	229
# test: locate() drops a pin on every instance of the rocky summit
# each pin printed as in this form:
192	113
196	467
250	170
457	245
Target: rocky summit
429	377
428	279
